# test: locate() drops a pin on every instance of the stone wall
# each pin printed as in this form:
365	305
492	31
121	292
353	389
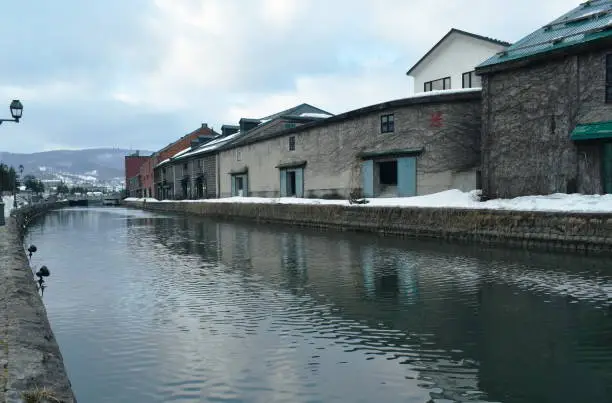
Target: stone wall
587	233
446	127
528	115
30	359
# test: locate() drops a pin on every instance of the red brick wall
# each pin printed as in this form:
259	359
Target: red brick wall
132	166
146	175
146	169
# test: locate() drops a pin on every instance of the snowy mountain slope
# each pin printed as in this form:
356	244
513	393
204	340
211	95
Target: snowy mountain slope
96	166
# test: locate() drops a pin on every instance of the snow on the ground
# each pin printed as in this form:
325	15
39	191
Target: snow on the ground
148	199
8	205
452	199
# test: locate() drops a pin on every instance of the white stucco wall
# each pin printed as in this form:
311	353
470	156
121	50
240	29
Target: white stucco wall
458	54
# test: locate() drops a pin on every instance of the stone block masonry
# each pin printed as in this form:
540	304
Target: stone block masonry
30	360
528	115
574	232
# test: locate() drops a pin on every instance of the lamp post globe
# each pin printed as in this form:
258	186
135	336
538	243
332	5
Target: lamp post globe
16	109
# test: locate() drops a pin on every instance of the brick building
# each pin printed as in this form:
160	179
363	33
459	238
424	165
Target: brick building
147	171
195	174
133	186
547	108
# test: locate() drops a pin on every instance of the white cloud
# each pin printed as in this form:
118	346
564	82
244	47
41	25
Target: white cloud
218	60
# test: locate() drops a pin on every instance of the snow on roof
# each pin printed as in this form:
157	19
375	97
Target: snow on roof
212	145
163	162
315	115
180	153
444	92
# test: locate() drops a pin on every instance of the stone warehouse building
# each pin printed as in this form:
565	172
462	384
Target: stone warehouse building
193	173
547	108
413	146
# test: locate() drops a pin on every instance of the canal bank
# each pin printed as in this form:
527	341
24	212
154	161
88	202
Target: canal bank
31	365
588	233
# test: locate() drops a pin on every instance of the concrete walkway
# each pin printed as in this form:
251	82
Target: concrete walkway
30	360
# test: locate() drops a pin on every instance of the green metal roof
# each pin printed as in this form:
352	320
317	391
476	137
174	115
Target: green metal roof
589	21
592	131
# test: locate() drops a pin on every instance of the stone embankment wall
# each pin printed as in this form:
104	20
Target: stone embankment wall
577	232
31	365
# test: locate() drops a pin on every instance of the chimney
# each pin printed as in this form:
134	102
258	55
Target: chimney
227	130
248	124
204	125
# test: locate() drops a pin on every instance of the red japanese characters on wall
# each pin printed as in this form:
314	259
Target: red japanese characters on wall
436	119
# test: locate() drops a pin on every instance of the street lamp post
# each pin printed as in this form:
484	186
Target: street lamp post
16	111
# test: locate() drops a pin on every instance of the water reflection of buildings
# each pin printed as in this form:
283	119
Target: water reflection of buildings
388	274
459	327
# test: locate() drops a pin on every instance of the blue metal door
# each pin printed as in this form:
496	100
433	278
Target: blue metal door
283	183
406	177
233	179
245	180
367	178
299	182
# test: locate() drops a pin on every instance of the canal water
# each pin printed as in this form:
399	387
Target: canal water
156	308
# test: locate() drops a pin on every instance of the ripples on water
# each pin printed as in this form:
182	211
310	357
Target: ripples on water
152	308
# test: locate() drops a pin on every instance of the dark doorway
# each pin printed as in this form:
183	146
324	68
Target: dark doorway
239	185
291	187
388	173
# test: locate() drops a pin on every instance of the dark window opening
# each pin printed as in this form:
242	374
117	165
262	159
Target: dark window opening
387	123
436	85
388	173
292	143
185	166
609	78
291	185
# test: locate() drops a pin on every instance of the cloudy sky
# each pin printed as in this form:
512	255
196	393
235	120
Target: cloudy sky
140	73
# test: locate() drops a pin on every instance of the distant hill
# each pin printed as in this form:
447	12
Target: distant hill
93	165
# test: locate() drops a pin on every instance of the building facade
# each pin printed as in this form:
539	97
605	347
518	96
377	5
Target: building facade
194	173
414	146
133	185
198	136
450	64
547	109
